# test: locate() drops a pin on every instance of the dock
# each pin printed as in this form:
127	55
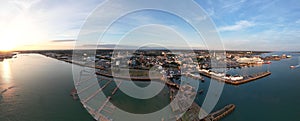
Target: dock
95	93
116	89
99	116
89	78
128	77
82	90
171	84
103	105
218	115
238	82
193	76
96	113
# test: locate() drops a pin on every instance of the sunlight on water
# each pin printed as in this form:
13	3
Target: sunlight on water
6	72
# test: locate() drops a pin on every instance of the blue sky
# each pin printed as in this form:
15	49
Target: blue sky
242	24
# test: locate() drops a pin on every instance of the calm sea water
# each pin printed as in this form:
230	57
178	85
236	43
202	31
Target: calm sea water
41	87
41	90
273	98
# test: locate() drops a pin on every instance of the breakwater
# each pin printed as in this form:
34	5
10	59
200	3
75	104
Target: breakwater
220	113
246	79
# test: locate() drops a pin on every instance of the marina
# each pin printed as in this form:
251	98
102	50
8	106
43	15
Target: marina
244	79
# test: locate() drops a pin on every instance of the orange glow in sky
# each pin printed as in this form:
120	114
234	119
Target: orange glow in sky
18	32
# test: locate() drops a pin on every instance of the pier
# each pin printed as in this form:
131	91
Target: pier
94	94
171	84
128	77
116	89
96	114
194	76
101	108
248	78
96	83
220	113
89	78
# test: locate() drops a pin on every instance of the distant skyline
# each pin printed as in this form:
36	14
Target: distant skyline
243	24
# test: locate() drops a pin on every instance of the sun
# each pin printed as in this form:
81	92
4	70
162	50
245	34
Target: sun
6	47
19	32
7	42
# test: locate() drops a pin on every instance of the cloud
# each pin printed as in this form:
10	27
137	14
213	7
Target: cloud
243	24
24	5
106	46
235	5
70	40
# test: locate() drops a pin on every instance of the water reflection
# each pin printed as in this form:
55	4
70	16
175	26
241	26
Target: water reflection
6	71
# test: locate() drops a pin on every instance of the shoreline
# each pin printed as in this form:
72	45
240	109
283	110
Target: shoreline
238	82
193	109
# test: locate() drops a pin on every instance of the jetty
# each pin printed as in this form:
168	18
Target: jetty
85	80
103	105
96	113
95	93
91	85
82	90
171	84
193	76
246	79
128	77
116	89
216	116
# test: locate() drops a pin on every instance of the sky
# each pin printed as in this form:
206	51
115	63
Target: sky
57	24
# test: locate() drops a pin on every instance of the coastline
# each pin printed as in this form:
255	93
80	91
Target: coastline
190	114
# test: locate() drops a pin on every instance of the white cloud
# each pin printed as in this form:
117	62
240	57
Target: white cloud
235	4
237	26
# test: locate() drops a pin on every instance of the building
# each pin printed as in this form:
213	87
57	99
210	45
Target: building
253	60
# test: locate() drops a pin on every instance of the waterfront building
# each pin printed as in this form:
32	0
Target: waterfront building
253	60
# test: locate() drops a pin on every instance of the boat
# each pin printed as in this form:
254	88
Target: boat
288	56
293	67
267	62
